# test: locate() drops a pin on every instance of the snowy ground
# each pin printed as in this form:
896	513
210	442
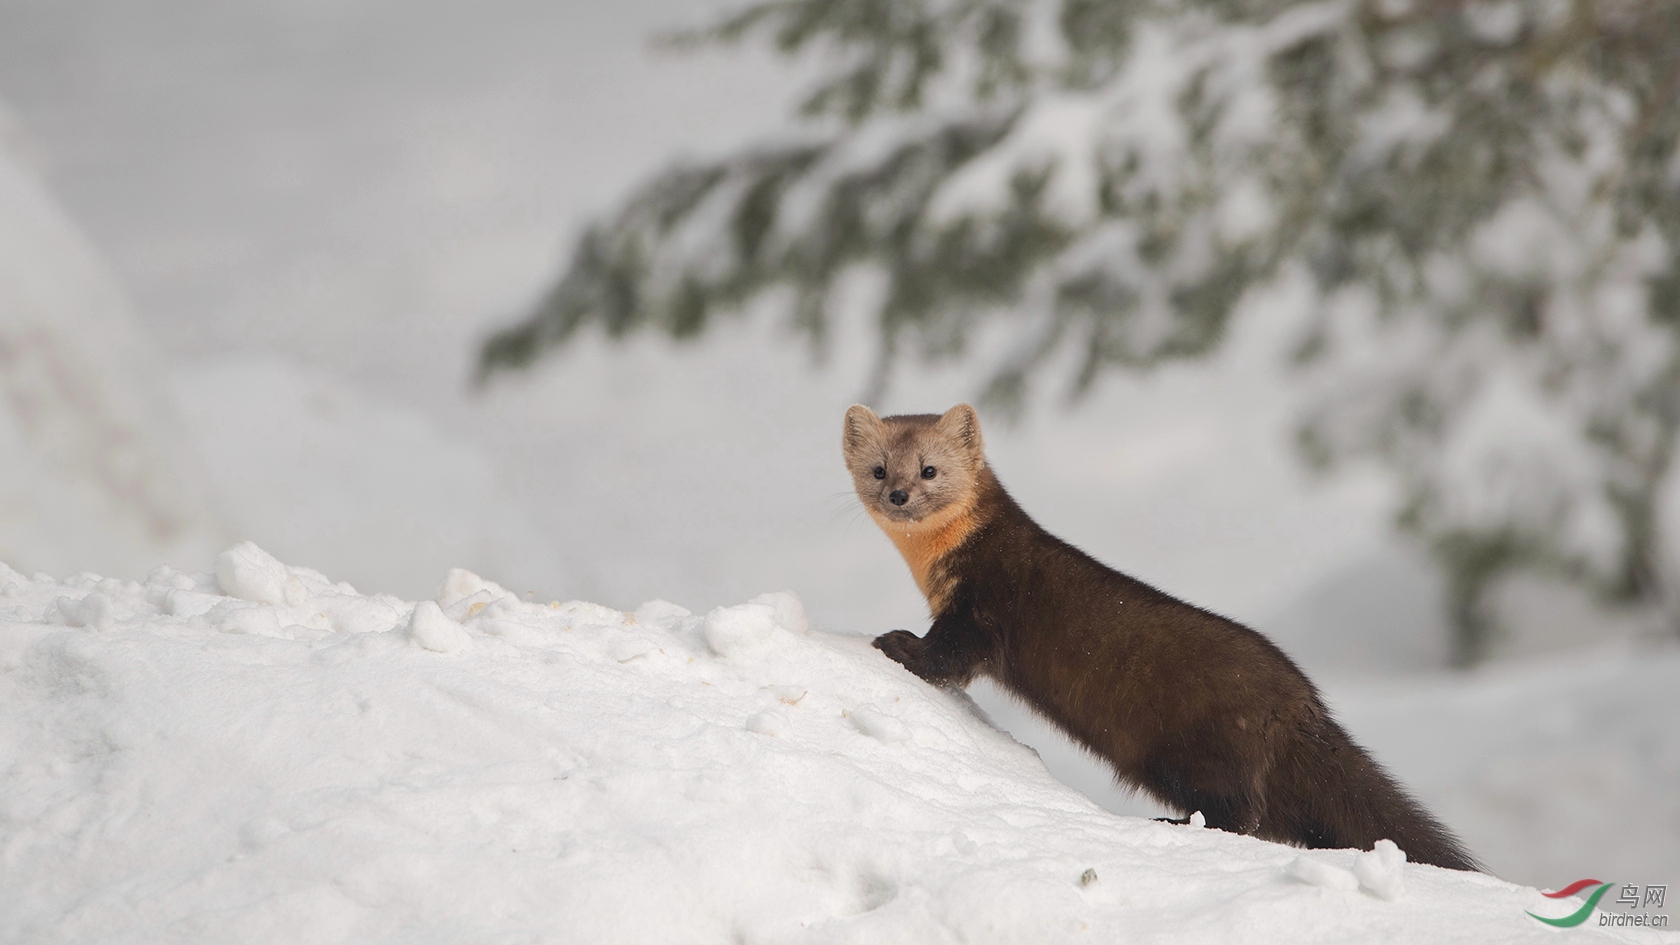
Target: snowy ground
260	754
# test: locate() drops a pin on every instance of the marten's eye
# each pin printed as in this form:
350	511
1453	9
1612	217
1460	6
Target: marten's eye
880	472
928	472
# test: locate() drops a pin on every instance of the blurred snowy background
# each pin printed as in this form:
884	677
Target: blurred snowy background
248	253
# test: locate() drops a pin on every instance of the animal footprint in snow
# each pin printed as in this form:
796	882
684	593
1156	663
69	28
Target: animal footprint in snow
879	725
772	722
625	649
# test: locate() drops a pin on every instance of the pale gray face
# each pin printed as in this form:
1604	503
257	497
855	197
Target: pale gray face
909	468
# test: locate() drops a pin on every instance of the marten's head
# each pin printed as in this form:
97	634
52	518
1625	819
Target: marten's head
914	469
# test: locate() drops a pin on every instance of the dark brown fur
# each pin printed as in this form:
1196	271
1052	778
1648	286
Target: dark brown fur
1199	711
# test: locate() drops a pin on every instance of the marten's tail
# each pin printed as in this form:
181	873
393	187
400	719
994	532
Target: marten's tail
1325	791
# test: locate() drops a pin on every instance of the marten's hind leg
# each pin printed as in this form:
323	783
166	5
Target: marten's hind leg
1233	813
1226	787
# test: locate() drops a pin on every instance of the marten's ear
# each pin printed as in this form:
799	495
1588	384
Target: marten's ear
961	425
862	428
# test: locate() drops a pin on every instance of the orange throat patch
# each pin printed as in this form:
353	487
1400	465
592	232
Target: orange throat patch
925	544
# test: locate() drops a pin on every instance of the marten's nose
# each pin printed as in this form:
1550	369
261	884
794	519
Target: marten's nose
898	497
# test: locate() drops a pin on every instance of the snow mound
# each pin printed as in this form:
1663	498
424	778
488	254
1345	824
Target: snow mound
264	755
95	470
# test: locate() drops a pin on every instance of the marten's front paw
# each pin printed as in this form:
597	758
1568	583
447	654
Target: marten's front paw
902	646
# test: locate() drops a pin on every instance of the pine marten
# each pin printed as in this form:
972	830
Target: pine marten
1198	711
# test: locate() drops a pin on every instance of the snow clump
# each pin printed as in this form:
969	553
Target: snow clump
433	629
1382	871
